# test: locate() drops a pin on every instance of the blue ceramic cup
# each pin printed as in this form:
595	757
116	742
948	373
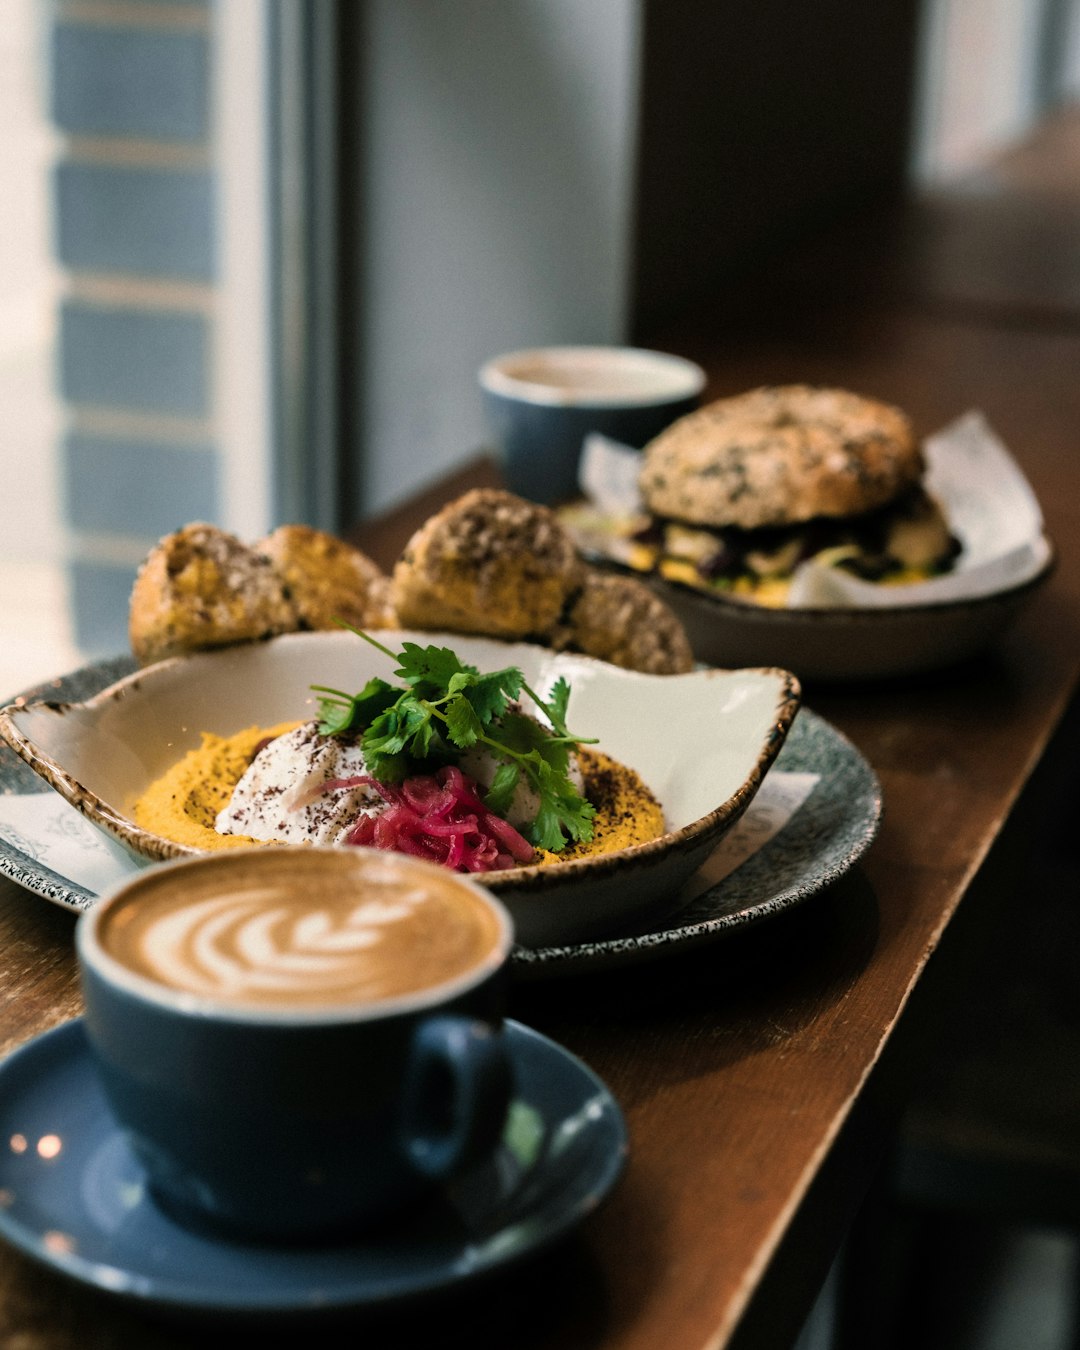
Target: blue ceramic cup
542	403
299	1042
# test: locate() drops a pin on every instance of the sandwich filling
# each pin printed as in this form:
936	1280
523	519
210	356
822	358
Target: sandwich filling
908	540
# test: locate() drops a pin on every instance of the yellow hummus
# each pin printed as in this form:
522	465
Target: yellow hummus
626	811
183	803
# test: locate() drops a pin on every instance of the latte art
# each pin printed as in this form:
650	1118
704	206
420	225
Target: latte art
265	945
270	938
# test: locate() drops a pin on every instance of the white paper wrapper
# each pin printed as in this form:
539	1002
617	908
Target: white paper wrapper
987	501
46	828
776	801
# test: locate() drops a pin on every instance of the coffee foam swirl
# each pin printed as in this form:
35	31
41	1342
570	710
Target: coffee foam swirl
276	942
254	945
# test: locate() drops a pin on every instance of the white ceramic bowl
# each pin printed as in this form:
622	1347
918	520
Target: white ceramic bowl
701	741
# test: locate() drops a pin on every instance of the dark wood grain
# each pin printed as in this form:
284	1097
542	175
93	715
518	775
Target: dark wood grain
761	1077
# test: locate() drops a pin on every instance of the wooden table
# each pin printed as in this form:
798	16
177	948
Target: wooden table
762	1077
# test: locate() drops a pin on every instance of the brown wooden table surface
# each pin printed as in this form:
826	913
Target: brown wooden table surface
761	1076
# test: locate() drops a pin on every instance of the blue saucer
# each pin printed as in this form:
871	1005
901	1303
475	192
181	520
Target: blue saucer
72	1195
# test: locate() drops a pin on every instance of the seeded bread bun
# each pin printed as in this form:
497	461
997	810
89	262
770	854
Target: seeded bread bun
778	456
493	564
620	620
328	579
489	563
201	587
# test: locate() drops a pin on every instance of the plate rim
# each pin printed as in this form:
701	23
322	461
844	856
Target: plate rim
633	949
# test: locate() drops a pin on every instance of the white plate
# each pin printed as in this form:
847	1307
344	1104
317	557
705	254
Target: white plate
702	741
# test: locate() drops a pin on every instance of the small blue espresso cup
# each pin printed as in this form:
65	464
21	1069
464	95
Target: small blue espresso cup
542	403
299	1042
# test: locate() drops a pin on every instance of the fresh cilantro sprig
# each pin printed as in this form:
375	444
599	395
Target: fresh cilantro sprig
448	707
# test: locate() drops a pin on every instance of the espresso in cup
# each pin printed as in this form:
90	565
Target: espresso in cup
299	1042
269	935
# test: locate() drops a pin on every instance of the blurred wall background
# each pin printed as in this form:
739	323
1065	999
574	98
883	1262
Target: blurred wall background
491	208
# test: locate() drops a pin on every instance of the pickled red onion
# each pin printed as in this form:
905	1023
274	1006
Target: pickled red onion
439	817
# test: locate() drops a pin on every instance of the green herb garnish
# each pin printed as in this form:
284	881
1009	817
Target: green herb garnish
448	707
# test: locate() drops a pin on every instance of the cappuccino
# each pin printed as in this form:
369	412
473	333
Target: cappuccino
298	1042
302	928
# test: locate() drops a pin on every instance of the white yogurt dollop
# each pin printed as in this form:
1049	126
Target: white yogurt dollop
283	793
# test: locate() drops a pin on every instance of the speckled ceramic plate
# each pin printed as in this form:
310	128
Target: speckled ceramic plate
702	741
827	835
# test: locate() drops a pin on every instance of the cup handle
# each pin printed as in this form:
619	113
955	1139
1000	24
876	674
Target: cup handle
458	1094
